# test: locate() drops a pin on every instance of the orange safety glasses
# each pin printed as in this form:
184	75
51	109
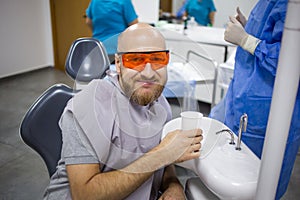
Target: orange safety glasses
138	60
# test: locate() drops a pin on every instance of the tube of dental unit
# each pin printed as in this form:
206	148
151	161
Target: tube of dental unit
283	101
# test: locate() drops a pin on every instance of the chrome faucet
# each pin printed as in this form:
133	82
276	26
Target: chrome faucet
242	127
230	132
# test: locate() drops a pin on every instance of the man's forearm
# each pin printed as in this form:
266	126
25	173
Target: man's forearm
89	23
116	184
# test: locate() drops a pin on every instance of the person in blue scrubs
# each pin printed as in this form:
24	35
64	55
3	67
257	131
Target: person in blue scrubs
107	18
250	91
202	10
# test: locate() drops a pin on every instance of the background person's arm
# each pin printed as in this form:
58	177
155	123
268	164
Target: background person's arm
89	23
87	182
211	17
133	22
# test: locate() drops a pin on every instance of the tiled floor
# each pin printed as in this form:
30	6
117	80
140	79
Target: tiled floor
23	175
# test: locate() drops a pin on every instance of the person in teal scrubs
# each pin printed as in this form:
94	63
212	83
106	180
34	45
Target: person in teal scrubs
107	18
250	91
202	10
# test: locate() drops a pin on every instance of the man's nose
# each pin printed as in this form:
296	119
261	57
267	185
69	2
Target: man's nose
148	72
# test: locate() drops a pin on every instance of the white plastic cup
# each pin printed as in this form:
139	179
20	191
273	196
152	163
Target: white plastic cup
191	120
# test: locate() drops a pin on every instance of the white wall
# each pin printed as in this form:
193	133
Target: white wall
226	8
26	36
147	10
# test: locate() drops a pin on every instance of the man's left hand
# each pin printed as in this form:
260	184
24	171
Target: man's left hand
174	192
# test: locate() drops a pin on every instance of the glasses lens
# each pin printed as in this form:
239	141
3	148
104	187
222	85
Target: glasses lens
132	59
137	61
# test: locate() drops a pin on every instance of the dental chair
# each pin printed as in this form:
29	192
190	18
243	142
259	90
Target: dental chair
39	128
87	59
195	189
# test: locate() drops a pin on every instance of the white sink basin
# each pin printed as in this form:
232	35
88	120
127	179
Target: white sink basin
227	172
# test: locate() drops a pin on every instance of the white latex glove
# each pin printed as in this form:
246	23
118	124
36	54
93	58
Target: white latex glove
241	17
236	34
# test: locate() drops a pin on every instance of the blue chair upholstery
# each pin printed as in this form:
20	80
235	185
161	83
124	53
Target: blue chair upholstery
87	60
39	127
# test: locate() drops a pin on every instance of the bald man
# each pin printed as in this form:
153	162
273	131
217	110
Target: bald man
112	147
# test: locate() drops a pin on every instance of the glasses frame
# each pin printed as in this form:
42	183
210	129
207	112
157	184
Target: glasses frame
144	52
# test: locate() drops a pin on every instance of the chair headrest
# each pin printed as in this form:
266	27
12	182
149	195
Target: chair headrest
87	60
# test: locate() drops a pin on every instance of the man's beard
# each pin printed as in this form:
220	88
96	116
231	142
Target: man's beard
141	97
144	98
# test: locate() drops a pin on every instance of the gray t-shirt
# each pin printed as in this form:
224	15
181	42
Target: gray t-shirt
96	129
76	149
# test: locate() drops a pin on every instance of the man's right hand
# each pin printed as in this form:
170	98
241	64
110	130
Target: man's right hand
179	146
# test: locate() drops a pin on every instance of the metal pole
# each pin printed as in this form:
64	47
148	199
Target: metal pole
283	101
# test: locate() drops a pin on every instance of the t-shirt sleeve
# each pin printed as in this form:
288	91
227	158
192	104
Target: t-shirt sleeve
212	7
129	12
76	148
88	11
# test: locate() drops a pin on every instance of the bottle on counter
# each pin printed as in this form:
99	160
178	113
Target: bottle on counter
192	23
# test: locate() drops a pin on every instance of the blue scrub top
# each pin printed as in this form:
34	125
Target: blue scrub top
110	17
200	9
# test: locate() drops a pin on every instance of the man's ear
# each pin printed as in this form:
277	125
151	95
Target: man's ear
118	63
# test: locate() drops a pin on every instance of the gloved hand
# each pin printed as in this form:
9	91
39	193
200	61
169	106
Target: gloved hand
236	34
241	17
